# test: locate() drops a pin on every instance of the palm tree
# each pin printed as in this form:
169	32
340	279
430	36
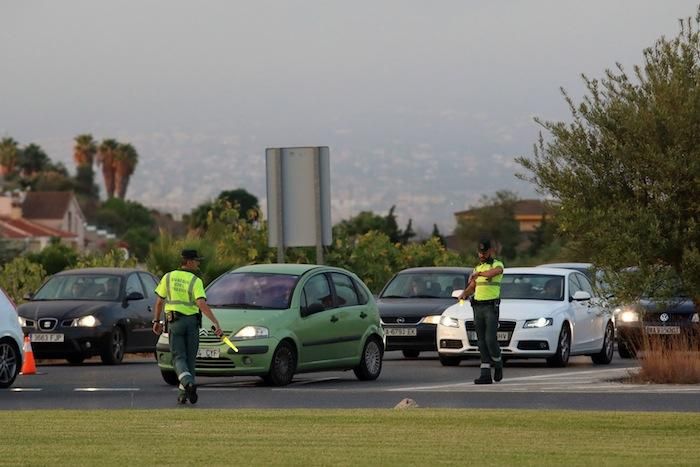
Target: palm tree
125	161
84	150
106	158
9	152
32	160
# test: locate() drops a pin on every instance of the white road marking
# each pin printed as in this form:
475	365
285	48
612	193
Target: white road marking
106	389
25	389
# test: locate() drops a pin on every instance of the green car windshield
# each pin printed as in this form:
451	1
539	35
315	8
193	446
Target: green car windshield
252	290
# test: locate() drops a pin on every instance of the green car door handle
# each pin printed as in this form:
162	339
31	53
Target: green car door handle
363	315
334	319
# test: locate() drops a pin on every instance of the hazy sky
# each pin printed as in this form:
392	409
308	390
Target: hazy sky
461	78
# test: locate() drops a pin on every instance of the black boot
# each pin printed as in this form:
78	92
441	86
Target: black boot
485	377
191	391
498	371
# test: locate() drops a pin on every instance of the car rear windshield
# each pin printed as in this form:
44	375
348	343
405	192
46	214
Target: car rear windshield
424	285
80	287
532	286
252	290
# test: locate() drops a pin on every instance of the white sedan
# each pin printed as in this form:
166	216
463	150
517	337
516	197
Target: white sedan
544	313
11	340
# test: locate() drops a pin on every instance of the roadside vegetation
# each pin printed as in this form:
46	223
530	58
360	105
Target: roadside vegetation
668	360
197	436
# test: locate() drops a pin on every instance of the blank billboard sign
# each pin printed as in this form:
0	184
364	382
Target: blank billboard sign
298	196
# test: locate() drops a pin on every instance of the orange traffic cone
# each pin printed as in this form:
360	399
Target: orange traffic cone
28	365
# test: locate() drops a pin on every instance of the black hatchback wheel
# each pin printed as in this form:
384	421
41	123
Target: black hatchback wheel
10	360
113	351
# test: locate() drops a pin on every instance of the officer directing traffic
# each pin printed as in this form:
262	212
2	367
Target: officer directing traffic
485	284
181	294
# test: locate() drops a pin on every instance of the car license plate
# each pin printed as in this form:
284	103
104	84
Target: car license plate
662	329
400	332
208	353
500	335
43	337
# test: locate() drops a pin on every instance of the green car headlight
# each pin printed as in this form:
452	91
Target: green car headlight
252	332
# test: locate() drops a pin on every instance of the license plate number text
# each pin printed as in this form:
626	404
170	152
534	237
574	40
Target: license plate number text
208	353
41	337
400	332
663	329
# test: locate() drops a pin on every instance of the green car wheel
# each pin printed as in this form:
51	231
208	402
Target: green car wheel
283	366
371	363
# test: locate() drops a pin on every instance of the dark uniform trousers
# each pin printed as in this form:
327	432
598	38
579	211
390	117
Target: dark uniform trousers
486	324
183	334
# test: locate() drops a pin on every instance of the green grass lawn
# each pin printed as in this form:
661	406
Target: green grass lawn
193	436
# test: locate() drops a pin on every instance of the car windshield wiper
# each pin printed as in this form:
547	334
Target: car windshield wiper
237	305
423	296
393	296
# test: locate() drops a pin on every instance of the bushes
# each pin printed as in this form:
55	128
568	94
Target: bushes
20	277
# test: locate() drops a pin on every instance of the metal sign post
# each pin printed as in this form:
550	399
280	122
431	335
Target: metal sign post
298	198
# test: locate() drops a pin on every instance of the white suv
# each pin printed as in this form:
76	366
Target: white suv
11	338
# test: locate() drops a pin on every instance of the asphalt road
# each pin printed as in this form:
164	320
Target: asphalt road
527	384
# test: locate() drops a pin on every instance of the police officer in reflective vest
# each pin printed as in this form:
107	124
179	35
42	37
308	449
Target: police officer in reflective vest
181	294
485	284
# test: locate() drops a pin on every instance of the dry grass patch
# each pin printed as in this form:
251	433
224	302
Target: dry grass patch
669	360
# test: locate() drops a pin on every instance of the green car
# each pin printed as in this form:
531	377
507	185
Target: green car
286	319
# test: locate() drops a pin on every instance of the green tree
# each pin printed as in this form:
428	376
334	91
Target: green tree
84	151
119	216
227	242
130	221
107	152
626	168
493	218
9	152
436	234
239	199
113	258
33	159
125	159
55	257
367	221
20	277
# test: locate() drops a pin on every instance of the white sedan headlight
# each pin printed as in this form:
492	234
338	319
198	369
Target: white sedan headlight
449	321
433	319
538	323
252	332
88	321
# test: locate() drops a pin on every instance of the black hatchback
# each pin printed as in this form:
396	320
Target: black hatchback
80	313
411	303
652	320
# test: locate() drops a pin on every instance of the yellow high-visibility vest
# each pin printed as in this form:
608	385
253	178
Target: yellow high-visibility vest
181	290
488	288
